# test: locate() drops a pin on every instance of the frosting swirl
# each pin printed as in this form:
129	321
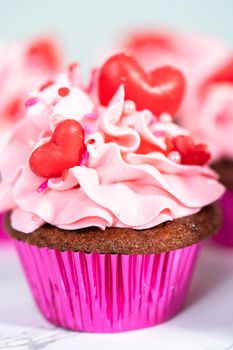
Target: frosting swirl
125	179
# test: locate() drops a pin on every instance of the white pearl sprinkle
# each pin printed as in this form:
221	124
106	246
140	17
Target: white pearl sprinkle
129	107
58	118
165	118
32	93
175	157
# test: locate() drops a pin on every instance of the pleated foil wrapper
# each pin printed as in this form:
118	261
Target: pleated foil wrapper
107	293
225	234
3	235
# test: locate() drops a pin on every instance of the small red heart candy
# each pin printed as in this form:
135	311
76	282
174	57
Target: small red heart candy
159	91
191	154
63	151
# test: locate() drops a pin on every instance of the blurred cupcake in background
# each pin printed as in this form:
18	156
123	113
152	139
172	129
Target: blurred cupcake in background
23	66
207	109
109	198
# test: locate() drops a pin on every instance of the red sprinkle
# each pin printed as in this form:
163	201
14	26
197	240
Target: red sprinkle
46	85
63	91
64	174
92	116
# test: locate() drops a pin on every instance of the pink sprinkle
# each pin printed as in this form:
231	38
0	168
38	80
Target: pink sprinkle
31	101
89	129
43	186
160	133
154	118
92	116
84	159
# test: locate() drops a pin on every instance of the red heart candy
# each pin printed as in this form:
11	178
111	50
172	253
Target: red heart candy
63	151
191	154
159	91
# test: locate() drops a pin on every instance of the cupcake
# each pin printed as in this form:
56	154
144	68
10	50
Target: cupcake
207	108
109	198
23	66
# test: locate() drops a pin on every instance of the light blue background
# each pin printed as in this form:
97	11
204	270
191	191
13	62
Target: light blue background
89	24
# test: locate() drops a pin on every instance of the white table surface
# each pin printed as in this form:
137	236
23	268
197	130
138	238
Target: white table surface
206	323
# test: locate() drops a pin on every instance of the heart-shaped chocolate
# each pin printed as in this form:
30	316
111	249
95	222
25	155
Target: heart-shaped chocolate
159	91
63	151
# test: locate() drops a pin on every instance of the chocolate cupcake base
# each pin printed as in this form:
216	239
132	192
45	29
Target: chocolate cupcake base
224	168
163	238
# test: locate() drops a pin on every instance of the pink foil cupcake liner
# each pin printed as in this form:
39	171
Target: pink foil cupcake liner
107	292
225	233
3	236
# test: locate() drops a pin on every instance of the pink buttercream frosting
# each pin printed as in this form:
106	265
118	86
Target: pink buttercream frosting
207	107
123	180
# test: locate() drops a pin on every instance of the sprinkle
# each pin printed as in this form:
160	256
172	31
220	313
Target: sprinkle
57	118
89	129
160	133
92	116
43	186
63	91
129	107
84	159
175	157
154	118
31	101
32	93
46	85
165	118
76	187
64	174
